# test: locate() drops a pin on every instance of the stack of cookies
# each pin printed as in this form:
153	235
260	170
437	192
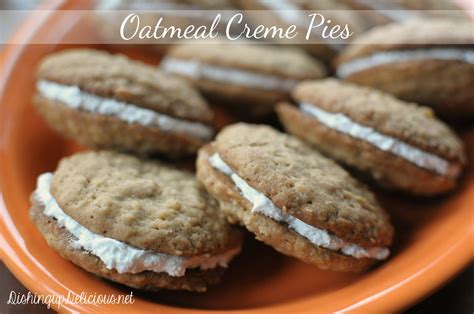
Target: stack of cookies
126	211
130	219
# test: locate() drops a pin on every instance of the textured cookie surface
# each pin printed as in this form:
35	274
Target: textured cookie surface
140	202
117	77
406	121
285	62
304	184
61	240
278	235
410	35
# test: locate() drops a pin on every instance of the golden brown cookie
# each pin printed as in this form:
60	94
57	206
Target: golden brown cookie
430	62
400	145
109	101
134	221
248	78
294	199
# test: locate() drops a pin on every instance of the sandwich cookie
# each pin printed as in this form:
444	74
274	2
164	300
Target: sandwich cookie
400	145
244	77
284	13
109	101
430	62
133	221
294	199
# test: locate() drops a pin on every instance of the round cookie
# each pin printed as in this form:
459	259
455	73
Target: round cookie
430	62
134	221
284	13
109	101
245	77
294	199
400	145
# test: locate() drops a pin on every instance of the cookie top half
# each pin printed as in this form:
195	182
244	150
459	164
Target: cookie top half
303	183
419	33
117	77
143	203
408	122
283	62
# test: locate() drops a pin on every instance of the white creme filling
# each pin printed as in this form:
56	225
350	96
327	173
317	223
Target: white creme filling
118	255
263	205
344	124
75	98
387	57
197	70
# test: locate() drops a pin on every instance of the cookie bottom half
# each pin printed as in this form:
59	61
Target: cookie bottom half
267	230
60	240
105	132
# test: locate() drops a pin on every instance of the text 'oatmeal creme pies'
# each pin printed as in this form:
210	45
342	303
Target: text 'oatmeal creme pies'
109	101
134	221
294	199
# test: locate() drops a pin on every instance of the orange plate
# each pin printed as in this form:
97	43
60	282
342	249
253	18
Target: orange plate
433	241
